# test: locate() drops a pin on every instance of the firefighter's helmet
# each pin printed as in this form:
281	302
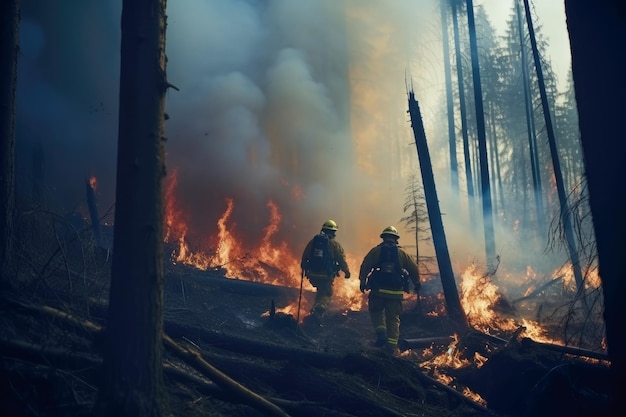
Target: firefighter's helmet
330	225
390	231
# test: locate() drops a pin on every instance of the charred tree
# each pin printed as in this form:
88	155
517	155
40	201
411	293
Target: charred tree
556	165
39	168
93	211
9	48
490	239
132	383
530	126
469	179
454	168
597	33
450	291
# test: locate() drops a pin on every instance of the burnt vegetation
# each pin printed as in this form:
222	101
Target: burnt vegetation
229	351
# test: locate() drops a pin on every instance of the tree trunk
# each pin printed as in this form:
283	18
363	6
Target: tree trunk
597	32
454	165
490	239
453	302
132	371
469	179
9	48
556	165
530	125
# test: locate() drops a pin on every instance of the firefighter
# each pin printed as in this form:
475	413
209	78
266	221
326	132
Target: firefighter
385	272
322	259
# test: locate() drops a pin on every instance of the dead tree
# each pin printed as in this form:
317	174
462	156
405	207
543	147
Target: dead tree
9	40
469	178
530	125
490	239
93	211
454	169
453	302
597	35
132	383
556	165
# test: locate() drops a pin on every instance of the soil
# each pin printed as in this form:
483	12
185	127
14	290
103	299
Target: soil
49	368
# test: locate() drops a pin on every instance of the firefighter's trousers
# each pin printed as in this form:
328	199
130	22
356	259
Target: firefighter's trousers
324	287
385	316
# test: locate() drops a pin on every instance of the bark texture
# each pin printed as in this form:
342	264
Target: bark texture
9	50
597	32
132	384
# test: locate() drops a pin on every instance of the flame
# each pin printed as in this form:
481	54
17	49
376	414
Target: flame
269	260
591	279
92	183
474	396
480	295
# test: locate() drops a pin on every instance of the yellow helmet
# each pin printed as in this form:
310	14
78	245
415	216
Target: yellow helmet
330	225
390	231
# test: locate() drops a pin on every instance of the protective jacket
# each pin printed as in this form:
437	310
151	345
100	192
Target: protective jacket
386	281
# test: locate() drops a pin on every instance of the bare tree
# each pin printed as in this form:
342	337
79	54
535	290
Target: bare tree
132	382
490	239
9	48
597	32
454	308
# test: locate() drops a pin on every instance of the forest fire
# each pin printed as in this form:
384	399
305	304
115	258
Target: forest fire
267	260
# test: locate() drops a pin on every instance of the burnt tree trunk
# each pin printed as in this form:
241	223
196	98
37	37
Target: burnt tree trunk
450	291
530	126
9	48
490	239
556	165
469	178
454	165
597	32
132	382
93	211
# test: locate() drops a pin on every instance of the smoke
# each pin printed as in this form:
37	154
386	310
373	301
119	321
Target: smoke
298	103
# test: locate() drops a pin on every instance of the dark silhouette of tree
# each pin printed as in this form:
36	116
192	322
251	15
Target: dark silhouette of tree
597	32
556	164
132	383
530	126
454	165
454	308
469	179
490	240
9	47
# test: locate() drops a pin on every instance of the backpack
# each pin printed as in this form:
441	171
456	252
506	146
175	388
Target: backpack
387	272
320	261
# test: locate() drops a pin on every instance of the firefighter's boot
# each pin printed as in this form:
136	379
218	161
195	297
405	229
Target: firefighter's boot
381	338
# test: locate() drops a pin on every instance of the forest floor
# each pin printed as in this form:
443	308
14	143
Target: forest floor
50	355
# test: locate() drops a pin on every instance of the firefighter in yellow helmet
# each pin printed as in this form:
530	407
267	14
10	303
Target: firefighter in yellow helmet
385	272
322	259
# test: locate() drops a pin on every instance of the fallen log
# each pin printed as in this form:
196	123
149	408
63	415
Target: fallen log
528	343
59	357
423	342
246	346
247	396
538	290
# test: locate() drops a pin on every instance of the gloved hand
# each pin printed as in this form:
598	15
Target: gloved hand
346	275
